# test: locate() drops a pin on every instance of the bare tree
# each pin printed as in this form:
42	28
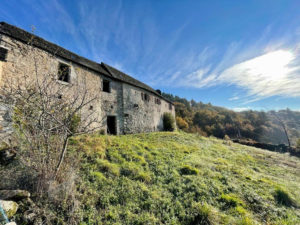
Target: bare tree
282	124
45	115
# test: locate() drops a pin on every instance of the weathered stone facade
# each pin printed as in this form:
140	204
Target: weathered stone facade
134	106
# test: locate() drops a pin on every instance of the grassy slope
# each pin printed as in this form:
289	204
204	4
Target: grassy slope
179	178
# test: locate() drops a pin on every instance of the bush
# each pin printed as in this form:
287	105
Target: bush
102	132
226	138
283	198
204	214
188	170
181	123
169	122
298	144
98	175
108	168
196	129
230	201
134	172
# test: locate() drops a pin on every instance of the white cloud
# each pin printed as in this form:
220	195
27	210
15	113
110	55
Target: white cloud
266	75
247	108
273	73
241	109
234	98
265	67
198	78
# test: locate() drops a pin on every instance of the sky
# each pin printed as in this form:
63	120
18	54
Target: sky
232	53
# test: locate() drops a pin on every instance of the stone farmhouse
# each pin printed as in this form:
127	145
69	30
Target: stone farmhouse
125	104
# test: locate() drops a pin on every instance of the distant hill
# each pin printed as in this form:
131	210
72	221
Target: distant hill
207	119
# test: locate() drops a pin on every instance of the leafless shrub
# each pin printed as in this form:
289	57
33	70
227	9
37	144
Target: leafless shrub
45	115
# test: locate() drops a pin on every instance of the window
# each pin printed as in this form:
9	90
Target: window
3	54
170	106
64	72
106	86
157	101
145	97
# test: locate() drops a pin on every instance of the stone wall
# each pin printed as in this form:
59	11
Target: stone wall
111	104
133	114
142	115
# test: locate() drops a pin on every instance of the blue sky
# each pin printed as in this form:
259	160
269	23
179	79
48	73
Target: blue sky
232	53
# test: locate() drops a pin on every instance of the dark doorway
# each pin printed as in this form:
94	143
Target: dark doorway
111	125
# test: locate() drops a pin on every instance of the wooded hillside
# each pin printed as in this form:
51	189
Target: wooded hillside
206	119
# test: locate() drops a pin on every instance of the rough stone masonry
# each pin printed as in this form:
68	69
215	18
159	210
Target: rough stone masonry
126	105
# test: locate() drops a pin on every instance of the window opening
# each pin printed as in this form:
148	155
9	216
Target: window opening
106	86
157	101
64	72
145	97
3	54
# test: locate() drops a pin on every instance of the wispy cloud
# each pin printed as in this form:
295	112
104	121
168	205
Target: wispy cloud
241	109
266	75
274	72
234	98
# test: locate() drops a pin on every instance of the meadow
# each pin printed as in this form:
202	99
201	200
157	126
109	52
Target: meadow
180	178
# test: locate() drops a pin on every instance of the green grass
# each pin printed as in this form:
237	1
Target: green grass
179	178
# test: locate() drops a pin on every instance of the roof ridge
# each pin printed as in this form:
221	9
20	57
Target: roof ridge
106	67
